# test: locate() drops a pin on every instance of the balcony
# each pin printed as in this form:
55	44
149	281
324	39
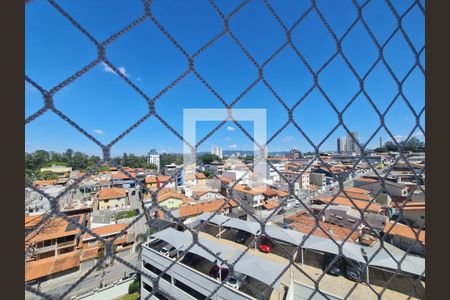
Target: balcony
65	244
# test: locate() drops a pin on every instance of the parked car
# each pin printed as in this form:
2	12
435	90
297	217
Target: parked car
218	272
297	204
169	251
236	280
281	211
136	211
334	268
353	270
265	245
191	259
242	236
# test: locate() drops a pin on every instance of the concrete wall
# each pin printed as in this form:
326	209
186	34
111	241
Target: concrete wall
109	292
194	279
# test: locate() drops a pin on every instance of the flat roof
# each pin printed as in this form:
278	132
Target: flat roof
254	266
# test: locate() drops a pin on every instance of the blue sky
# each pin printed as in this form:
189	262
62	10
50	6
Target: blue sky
105	106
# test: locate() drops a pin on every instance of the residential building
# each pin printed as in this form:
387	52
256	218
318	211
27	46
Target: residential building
294	154
341	145
405	237
112	198
204	196
154	158
188	212
375	187
216	150
91	246
352	139
60	171
151	183
291	177
174	170
414	212
215	167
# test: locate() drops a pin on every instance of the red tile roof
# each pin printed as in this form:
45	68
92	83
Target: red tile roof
111	193
47	266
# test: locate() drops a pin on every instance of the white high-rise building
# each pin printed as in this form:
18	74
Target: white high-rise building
341	145
153	158
217	151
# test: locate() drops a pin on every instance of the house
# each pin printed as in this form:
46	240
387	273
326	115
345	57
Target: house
165	181
202	196
44	183
298	177
171	199
60	171
215	167
375	187
405	237
200	177
413	212
90	245
306	224
51	247
366	206
119	179
254	196
187	213
112	198
151	183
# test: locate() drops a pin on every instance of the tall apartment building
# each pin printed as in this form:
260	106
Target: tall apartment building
341	145
352	146
294	154
217	151
348	143
153	158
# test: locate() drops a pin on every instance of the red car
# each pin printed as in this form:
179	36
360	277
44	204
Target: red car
265	245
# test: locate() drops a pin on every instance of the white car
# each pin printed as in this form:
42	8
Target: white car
297	204
169	251
236	280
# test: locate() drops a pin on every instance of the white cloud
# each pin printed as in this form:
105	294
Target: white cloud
99	131
139	79
227	138
232	146
288	139
231	128
418	134
121	69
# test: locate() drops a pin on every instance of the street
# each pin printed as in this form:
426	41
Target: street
135	203
113	273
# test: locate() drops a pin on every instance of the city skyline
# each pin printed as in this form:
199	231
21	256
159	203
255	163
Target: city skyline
105	106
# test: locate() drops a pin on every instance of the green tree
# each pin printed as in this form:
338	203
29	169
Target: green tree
134	287
47	175
80	161
208	158
67	156
390	146
150	166
380	150
40	159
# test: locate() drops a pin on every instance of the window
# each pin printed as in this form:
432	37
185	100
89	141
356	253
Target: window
189	290
339	217
157	271
352	221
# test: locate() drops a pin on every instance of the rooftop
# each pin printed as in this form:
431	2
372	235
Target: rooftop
111	193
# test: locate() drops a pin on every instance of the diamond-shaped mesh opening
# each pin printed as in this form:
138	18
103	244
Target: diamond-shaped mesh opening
331	224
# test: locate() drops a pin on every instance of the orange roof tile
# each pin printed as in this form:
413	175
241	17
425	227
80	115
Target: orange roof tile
270	204
162	178
405	231
306	224
225	179
105	230
44	267
360	204
31	221
119	175
166	194
45	182
150	179
52	229
196	209
200	176
356	190
111	193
